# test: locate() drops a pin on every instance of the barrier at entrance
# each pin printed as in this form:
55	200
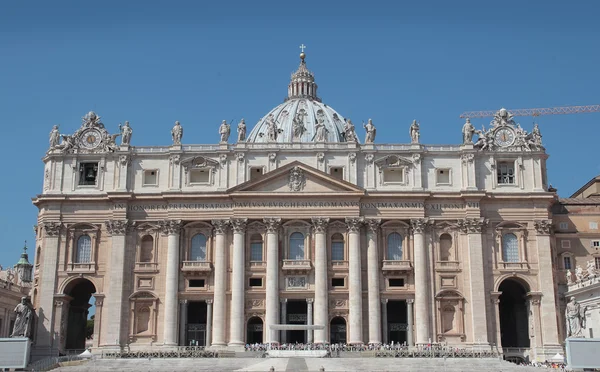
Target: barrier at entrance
297	353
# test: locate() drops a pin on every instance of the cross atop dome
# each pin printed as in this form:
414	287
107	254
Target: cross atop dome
303	84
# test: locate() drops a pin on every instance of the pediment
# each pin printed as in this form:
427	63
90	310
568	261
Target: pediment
393	161
297	177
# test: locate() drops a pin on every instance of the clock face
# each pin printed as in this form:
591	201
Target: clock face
90	139
504	137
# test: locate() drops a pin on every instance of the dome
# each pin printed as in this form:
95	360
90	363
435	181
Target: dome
297	118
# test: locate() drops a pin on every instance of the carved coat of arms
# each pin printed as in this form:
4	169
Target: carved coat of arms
297	179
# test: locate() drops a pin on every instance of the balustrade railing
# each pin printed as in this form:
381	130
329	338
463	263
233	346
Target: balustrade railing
447	265
83	267
397	265
146	266
196	266
513	266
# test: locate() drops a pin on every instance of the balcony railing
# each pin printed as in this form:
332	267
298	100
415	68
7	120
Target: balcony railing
81	267
339	265
396	265
447	265
196	267
512	266
146	267
257	265
296	265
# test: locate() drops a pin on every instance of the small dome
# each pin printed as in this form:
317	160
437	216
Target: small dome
297	117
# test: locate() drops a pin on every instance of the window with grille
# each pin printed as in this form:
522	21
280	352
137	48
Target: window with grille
563	226
337	248
84	249
510	248
256	251
394	247
567	263
296	246
506	173
198	249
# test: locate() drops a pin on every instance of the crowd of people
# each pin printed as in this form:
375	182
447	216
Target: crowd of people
549	365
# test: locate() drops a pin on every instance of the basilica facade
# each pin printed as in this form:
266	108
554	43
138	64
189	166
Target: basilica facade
298	221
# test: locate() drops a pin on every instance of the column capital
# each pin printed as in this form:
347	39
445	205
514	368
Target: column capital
52	228
543	227
209	301
283	300
272	224
534	298
353	224
384	301
99	299
472	225
239	225
373	224
220	226
410	301
116	227
310	300
320	224
170	227
419	225
495	297
183	302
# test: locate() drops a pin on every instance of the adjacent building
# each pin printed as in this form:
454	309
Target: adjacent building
15	283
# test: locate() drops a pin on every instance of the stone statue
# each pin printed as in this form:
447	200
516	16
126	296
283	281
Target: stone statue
591	269
111	142
177	133
126	133
521	137
54	137
575	319
272	130
298	124
468	131
414	132
67	142
569	276
349	132
242	131
371	131
224	131
535	137
579	273
320	131
22	327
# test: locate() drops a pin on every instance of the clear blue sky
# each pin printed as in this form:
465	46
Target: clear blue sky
153	62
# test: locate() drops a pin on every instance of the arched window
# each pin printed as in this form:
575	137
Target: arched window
510	248
146	249
296	246
337	247
446	251
84	249
256	248
198	250
394	247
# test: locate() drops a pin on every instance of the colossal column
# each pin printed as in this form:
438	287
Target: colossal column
272	295
473	227
355	281
421	291
114	332
236	336
220	284
172	229
321	285
373	281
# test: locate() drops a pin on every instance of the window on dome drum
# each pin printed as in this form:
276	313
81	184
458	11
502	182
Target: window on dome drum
296	246
442	176
256	248
337	172
88	173
567	263
596	244
337	247
563	226
593	225
199	176
84	249
393	175
394	247
256	173
196	283
198	248
255	282
337	282
510	248
396	282
506	173
150	177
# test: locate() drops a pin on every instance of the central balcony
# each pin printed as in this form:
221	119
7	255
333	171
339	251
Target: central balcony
196	267
513	266
396	266
296	266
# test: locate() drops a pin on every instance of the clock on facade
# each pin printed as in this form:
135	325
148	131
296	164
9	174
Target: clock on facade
90	139
504	137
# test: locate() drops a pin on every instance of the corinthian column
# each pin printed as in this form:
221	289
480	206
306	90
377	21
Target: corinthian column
373	281
421	292
321	288
354	277
473	227
172	229
236	335
220	284
272	295
114	332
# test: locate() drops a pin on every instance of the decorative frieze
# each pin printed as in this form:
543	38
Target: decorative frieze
254	304
320	224
170	227
116	227
543	227
220	226
239	225
353	224
472	225
272	224
419	225
373	224
338	304
295	282
52	228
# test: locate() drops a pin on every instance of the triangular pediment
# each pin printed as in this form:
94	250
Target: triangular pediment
296	177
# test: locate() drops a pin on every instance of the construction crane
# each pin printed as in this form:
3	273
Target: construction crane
563	110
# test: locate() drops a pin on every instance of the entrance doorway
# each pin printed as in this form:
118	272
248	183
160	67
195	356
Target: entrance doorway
296	314
81	291
254	331
397	321
514	329
338	330
196	324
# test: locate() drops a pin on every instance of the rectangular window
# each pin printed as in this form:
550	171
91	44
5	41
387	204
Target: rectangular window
196	283
563	226
337	282
442	177
593	225
396	282
597	262
596	244
565	244
199	176
256	252
567	263
506	173
255	282
393	175
256	173
88	173
337	251
337	172
150	177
